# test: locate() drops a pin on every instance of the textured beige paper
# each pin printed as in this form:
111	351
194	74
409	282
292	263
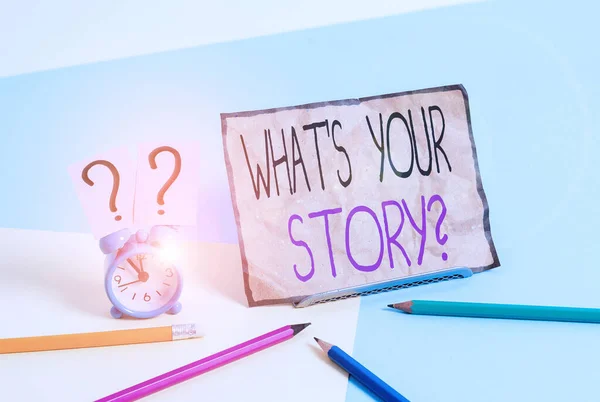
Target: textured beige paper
277	268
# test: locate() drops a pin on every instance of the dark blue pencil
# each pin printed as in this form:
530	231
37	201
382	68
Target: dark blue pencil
360	372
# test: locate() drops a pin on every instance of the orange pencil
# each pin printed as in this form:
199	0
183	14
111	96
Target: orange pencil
99	339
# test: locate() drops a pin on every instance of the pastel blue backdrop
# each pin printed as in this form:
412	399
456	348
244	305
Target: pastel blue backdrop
531	73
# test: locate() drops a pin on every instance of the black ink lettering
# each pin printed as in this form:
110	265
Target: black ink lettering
427	171
277	162
341	149
314	127
437	144
379	147
298	161
259	174
397	115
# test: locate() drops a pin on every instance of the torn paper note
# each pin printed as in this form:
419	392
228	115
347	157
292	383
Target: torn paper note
167	183
347	193
105	186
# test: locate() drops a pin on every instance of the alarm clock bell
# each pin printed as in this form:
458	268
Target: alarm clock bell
141	281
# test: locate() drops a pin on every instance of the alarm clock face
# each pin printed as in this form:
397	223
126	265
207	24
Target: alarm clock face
144	283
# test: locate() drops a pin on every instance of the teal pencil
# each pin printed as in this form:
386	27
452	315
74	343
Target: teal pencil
501	311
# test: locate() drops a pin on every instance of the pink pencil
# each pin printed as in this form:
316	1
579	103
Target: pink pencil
202	366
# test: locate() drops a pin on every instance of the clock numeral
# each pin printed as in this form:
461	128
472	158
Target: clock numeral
169	272
147	297
118	279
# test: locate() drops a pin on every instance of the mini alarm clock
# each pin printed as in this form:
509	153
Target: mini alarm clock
141	280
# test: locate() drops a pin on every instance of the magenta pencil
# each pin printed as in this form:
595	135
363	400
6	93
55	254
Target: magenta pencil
204	365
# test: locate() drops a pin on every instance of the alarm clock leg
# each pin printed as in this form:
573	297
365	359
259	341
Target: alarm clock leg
175	309
115	313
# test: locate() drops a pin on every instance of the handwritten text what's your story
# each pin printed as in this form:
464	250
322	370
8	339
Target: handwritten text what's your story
404	146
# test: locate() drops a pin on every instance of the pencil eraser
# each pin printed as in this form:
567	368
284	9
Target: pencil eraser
185	331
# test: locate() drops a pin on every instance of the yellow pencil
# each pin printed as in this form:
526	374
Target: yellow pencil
99	339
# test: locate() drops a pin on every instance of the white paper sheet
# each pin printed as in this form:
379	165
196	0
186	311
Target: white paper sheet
105	185
166	191
52	283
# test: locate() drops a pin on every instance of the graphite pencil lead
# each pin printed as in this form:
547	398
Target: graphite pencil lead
324	345
404	306
297	328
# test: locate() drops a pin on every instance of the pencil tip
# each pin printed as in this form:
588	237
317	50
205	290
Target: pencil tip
316	339
297	328
324	345
403	306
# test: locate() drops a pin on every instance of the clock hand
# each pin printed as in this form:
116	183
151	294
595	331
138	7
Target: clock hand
133	265
142	264
125	284
142	275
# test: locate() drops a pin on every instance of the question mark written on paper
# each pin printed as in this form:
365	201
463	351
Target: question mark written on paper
160	197
116	181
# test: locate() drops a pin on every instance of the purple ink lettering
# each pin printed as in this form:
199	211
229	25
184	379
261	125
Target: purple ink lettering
363	268
392	240
442	240
325	214
302	244
420	230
